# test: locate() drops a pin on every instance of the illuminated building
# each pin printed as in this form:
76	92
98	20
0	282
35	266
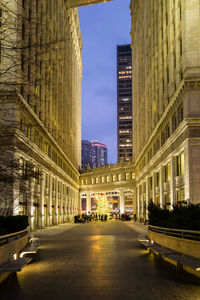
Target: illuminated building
40	115
99	154
166	101
86	154
124	103
114	182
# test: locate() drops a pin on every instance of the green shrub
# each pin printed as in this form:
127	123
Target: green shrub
12	224
181	217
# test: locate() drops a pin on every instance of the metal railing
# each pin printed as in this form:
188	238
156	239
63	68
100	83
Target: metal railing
179	233
6	239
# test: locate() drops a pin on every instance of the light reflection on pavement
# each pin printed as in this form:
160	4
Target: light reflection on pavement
97	261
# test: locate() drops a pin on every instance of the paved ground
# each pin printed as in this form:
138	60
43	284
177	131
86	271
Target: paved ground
97	261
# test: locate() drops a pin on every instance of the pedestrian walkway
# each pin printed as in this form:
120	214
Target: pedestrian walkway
54	230
95	261
138	227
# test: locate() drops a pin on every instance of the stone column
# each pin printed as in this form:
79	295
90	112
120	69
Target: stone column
79	202
153	188
122	201
138	201
61	204
147	196
49	208
30	207
56	203
142	202
161	186
41	203
172	182
88	203
16	194
135	201
187	172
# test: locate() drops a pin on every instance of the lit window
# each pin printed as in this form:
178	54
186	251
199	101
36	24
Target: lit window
180	164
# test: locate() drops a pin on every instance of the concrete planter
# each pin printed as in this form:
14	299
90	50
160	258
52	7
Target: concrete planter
7	251
184	246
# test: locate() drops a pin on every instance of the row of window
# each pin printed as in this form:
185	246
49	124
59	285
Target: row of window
34	135
108	178
176	119
179	170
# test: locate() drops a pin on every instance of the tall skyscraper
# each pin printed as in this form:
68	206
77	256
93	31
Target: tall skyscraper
166	79
86	154
124	103
99	154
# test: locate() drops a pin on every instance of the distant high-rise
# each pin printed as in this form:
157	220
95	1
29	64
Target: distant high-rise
86	154
124	103
93	153
99	154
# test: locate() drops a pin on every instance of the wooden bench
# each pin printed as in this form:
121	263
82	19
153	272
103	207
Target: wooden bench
179	258
15	265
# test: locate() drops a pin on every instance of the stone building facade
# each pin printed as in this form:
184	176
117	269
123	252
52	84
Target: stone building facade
166	101
115	182
40	115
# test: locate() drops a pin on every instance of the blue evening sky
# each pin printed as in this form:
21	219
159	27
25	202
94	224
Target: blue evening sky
103	26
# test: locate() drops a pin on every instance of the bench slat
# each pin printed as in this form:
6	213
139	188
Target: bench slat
16	265
186	260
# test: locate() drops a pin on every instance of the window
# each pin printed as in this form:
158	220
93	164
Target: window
157	179
167	131
23	31
181	49
174	122
0	17
180	164
150	183
22	62
180	196
180	114
174	60
162	138
167	173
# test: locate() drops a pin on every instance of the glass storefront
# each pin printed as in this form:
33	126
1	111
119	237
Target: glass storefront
83	204
128	201
114	203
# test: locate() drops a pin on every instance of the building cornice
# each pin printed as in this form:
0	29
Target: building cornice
77	3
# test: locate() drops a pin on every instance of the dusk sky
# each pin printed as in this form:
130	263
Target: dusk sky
103	26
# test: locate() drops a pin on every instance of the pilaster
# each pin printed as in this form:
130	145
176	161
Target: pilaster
161	186
41	204
172	181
